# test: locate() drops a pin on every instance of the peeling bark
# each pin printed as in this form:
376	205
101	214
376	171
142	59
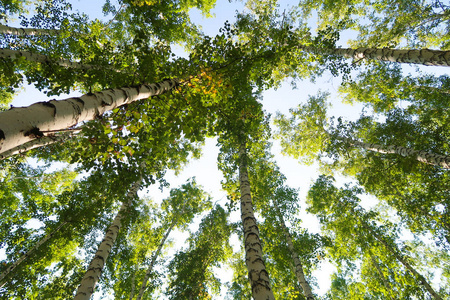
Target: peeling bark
62	114
257	273
307	292
27	31
95	268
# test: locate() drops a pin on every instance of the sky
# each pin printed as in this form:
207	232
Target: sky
282	99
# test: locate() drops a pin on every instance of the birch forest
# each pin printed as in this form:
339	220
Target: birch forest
327	122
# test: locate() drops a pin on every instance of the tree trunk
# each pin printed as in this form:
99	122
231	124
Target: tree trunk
27	31
20	125
400	258
307	292
154	257
422	156
133	283
29	253
39	142
425	56
41	58
380	272
258	276
92	275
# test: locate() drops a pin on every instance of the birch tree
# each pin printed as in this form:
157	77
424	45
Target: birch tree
191	274
402	182
258	276
340	213
414	22
95	268
295	142
21	125
26	31
182	206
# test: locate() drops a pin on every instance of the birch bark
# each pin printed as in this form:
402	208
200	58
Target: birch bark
27	31
20	125
29	253
307	292
258	276
422	156
404	262
39	142
41	58
425	56
92	275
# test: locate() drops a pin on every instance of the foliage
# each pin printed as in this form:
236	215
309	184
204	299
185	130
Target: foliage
221	82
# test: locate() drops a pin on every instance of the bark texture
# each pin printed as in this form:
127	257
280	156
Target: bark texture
27	31
257	273
92	275
29	253
404	262
425	57
307	291
20	125
152	263
41	58
422	156
36	143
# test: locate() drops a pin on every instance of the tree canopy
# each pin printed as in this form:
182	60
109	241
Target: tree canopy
93	196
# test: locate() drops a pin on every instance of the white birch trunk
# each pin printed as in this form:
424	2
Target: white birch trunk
307	291
152	263
404	262
422	156
29	253
20	125
92	275
39	142
41	58
425	56
257	273
27	31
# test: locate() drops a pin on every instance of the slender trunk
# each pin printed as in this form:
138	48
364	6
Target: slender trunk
23	124
39	142
152	263
422	156
133	283
258	276
29	253
92	275
380	272
425	56
27	31
41	58
401	259
307	291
